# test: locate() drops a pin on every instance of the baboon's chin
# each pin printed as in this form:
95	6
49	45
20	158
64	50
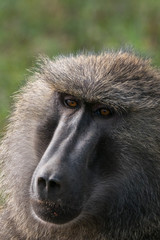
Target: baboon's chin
53	212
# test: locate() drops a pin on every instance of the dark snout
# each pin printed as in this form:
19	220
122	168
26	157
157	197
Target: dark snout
60	180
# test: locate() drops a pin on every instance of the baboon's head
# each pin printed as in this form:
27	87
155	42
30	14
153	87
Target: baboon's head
87	142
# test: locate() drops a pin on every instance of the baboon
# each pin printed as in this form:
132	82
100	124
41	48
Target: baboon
81	156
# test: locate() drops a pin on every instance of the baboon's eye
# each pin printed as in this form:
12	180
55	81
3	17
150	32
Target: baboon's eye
70	102
104	112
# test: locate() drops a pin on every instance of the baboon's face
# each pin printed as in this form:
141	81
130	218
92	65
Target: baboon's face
97	163
78	160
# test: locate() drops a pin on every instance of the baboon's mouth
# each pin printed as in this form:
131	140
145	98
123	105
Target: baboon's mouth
54	212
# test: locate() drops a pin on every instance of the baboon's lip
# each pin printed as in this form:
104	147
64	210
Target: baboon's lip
52	204
54	212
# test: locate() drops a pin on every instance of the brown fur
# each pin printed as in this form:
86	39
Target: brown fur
120	80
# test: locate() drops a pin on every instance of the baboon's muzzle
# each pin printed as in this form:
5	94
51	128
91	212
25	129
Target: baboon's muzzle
60	181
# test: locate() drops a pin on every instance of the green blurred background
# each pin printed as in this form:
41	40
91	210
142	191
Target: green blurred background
52	27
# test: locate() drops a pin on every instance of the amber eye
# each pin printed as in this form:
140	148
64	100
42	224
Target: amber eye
71	103
104	112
